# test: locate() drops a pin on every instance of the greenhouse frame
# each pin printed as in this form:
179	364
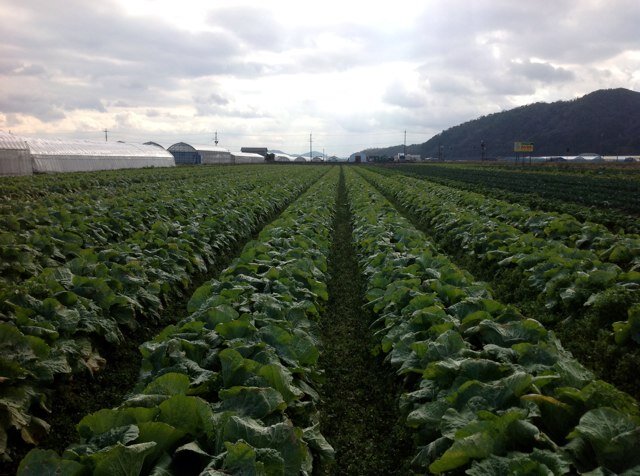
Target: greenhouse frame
75	156
24	156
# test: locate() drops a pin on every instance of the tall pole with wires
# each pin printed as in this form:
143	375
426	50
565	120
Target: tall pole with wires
310	146
105	135
404	152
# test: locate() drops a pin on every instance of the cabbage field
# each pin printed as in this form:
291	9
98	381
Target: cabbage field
319	319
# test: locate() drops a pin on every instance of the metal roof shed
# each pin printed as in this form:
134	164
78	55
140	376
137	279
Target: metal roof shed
188	154
14	156
247	158
83	155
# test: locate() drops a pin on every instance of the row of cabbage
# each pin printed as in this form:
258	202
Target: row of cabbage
50	230
606	188
619	248
233	387
606	274
98	183
52	323
613	219
488	390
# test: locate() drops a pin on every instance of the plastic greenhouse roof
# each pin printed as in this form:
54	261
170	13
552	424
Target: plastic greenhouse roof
9	141
247	154
93	148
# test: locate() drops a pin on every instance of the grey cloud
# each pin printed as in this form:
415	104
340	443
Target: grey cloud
542	72
221	111
443	83
256	27
29	70
113	60
8	66
210	104
12	120
90	39
562	31
397	95
33	105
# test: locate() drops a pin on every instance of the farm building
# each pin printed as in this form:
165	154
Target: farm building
247	158
14	156
44	156
255	150
187	154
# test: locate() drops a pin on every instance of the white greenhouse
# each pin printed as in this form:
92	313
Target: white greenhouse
14	156
24	156
82	156
588	157
247	158
284	158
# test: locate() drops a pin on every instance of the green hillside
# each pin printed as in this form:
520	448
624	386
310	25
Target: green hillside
606	122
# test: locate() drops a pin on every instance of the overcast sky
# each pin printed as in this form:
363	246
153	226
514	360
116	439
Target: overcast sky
355	74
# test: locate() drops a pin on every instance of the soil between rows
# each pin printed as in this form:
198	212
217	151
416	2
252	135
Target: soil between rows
359	410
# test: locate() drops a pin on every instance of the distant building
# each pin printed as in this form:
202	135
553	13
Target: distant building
190	154
263	151
358	157
401	157
247	158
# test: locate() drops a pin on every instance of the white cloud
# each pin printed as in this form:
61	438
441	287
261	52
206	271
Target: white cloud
354	73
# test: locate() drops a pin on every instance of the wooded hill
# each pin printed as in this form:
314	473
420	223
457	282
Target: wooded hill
605	122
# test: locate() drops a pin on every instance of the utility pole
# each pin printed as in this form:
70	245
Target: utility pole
405	145
215	139
323	154
310	146
105	135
